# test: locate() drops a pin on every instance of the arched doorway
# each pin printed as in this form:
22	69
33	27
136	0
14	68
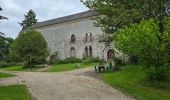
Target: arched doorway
110	54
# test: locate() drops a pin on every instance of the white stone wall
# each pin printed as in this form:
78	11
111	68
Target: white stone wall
58	38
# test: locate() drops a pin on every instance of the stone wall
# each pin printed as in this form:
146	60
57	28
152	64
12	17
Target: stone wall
58	38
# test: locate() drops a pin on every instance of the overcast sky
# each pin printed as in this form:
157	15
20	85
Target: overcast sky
44	9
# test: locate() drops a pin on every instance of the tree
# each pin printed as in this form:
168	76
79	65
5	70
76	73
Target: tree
30	20
2	17
3	42
114	14
142	41
31	46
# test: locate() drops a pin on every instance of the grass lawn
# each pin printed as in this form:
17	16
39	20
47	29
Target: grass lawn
5	75
55	68
13	68
129	81
20	68
67	67
14	92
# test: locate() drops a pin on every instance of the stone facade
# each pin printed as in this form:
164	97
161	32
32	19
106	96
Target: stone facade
76	38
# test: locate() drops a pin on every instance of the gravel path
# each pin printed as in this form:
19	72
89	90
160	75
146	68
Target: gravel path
70	85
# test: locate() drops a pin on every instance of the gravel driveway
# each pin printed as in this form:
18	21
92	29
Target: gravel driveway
71	85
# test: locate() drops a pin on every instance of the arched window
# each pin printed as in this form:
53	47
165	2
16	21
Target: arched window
72	52
86	52
91	37
90	51
86	37
73	38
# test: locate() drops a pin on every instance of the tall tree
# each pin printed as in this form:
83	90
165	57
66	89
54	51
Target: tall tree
2	17
30	20
31	46
142	41
114	14
3	41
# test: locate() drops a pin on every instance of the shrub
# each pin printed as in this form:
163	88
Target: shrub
4	64
91	60
148	44
118	62
69	60
159	74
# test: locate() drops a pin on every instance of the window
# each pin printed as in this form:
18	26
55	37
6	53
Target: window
91	37
73	38
72	52
86	52
90	51
86	37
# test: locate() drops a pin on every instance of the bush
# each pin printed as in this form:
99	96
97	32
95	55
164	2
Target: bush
118	61
4	64
69	60
158	74
91	60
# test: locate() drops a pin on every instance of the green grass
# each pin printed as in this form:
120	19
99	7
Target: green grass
5	75
67	67
13	68
55	68
21	68
129	81
14	92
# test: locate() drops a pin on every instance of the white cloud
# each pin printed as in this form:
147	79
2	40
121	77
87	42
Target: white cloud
45	10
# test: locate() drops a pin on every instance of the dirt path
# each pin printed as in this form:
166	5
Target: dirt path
71	85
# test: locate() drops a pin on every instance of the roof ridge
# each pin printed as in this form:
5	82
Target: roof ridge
65	18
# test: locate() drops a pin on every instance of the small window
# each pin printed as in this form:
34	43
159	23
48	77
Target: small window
86	37
91	37
86	52
73	38
90	51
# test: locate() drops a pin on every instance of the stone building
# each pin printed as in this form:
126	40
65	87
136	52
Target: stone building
76	36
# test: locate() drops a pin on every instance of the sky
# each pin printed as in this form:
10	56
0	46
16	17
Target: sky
14	10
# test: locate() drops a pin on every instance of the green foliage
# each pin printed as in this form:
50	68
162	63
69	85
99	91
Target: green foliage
2	17
68	60
91	60
5	43
4	64
130	79
30	20
145	41
31	46
124	12
115	14
161	73
77	60
118	62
